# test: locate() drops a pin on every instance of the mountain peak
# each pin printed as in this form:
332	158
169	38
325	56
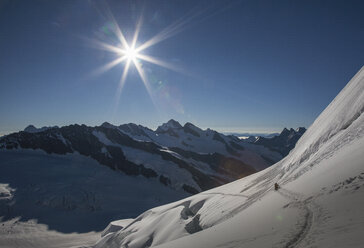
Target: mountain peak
134	129
33	129
189	124
284	132
174	123
192	129
107	125
171	124
30	129
301	130
286	140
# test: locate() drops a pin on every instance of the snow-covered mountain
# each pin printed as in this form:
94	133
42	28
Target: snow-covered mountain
181	157
319	204
282	143
193	139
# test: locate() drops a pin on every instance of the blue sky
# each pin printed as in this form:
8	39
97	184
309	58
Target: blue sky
244	65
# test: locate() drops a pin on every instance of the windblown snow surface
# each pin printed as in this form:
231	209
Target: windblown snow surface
320	202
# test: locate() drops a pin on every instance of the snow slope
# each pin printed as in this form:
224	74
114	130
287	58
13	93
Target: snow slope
320	202
49	200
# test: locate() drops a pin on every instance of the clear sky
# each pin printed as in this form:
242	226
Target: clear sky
241	65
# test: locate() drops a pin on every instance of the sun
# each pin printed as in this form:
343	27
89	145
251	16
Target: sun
130	53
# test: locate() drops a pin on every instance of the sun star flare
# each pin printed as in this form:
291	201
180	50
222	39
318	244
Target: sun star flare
129	54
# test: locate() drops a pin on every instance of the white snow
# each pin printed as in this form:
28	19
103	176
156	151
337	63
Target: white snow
49	200
6	192
116	226
15	233
205	144
103	139
178	176
169	169
243	137
320	202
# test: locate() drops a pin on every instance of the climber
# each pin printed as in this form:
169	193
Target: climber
276	186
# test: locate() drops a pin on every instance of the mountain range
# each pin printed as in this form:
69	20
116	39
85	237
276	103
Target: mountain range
181	157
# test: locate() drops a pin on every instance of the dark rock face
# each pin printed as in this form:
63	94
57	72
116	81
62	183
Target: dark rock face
170	125
174	123
30	129
190	128
165	180
284	142
228	147
172	133
33	129
76	138
236	146
133	129
169	128
189	189
217	137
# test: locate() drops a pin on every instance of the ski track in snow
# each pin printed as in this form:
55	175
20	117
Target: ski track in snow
225	194
311	213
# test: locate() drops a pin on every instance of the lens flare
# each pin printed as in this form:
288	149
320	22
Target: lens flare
131	54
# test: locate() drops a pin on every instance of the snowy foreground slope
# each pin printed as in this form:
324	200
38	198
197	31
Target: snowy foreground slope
320	203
